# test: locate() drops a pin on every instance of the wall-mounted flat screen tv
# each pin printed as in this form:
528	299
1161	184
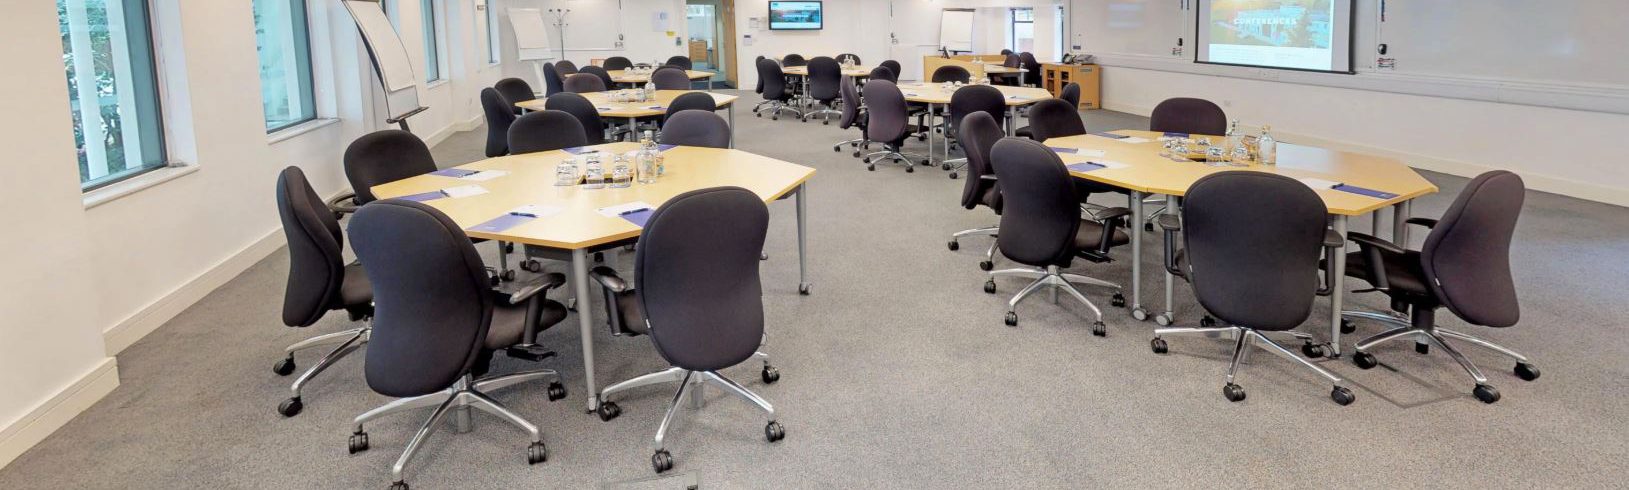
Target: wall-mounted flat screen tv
796	16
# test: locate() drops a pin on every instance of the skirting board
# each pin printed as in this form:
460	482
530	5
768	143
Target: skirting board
46	418
457	127
155	315
1539	182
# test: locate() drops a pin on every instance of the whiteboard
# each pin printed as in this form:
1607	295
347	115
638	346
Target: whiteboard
1565	41
594	25
389	54
956	29
531	33
1131	27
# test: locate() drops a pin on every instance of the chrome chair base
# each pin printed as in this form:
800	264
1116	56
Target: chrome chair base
457	400
886	156
1244	337
349	341
989	255
827	112
856	143
1054	279
1425	335
776	108
692	382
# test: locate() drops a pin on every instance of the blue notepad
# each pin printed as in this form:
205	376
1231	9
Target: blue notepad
1111	136
665	147
1365	191
1086	167
455	172
501	223
578	150
637	217
1175	134
1064	150
426	196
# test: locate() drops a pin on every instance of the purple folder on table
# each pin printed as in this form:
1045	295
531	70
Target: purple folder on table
665	147
454	172
424	196
1064	150
1175	134
638	217
501	223
1111	136
1363	191
1086	167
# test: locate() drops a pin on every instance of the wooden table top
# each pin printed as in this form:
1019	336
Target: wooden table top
1147	171
622	76
857	71
934	93
578	225
607	108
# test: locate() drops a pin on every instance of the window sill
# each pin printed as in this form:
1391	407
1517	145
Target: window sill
135	184
290	132
436	84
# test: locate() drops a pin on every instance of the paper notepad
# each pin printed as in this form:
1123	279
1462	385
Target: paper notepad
453	172
484	175
1318	184
464	191
1085	152
1133	140
536	211
634	212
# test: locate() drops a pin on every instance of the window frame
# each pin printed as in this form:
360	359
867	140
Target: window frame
309	87
1012	26
159	103
494	31
433	42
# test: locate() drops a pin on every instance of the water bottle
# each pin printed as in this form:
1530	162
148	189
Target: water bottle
646	159
1267	147
1234	140
650	91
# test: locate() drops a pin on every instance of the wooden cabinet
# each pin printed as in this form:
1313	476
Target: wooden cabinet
698	52
1054	77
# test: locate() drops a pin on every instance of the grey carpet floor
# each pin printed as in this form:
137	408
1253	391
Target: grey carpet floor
898	373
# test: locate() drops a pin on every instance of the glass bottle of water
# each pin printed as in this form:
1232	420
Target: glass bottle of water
1234	140
593	173
650	91
1267	147
621	173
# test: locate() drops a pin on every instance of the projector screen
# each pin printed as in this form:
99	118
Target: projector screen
796	16
1314	35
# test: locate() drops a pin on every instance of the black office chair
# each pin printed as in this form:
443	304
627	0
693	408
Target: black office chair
553	82
951	73
1041	226
499	117
699	298
888	122
1188	115
605	77
853	115
696	128
1006	52
794	60
972	100
893	66
759	88
692	101
851	57
582	109
825	78
1070	94
1055	118
1033	67
319	281
1252	244
583	83
670	78
515	91
883	73
681	62
1464	266
979	132
617	63
566	68
1010	61
438	325
546	130
776	91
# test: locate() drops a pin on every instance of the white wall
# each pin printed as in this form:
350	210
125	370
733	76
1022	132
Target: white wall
641	43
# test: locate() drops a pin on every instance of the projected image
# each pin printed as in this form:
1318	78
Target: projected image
795	15
1280	33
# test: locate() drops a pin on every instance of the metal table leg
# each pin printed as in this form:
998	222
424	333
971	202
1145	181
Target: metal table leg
731	113
1401	212
1337	274
803	227
585	323
1169	317
1012	120
1136	205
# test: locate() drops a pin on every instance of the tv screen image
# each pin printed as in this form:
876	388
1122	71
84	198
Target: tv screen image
796	16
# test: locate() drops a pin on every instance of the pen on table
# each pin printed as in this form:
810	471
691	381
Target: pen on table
632	211
524	213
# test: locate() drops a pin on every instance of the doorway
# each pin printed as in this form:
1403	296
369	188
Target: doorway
710	25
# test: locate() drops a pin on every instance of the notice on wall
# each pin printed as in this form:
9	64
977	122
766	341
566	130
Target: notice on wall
659	21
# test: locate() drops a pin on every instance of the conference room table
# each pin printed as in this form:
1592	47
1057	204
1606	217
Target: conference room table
573	222
1007	71
1139	162
632	111
629	77
936	94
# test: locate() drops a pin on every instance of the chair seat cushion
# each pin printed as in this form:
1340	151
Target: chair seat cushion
1090	236
509	323
355	290
1404	272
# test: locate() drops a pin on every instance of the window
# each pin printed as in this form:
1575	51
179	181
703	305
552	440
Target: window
1022	31
493	46
107	50
284	45
432	41
1059	34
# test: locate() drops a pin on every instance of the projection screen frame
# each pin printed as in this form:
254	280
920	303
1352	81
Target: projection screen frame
1351	45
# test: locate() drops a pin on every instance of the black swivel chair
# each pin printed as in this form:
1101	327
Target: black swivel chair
1188	115
553	81
979	133
853	114
498	119
1464	266
850	57
1006	52
1055	118
1033	67
546	130
972	100
1070	94
681	62
617	63
319	281
670	78
776	92
566	67
1010	60
1257	237
1041	226
582	109
794	60
699	299
759	88
894	67
825	78
605	77
696	128
583	83
438	325
515	91
951	73
883	73
888	122
692	101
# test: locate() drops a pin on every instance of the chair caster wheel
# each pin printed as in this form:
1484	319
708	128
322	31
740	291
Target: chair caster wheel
508	275
872	168
661	461
358	442
953	176
910	169
856	154
537	453
571	304
1119	300
774	118
1364	360
599	256
1347	326
1233	392
1149	227
1162	319
953	247
608	411
1526	371
531	265
1159	346
508	248
1313	351
770	374
557	391
927	162
1207	322
290	407
1420	348
922	137
804	289
986	265
944	166
763	255
773	431
757	115
1012	319
401	485
1486	393
494	280
1139	314
838	148
825	122
989	286
1099	329
1342	396
285	367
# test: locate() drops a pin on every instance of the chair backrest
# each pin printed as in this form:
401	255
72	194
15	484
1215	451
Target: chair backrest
315	250
1005	52
894	67
1188	115
1467	255
566	67
515	91
385	156
500	115
1011	60
1039	211
951	73
605	76
1053	118
1071	93
884	73
886	118
697	268
851	103
552	81
583	83
582	109
691	101
432	307
979	133
617	63
544	131
682	62
824	76
670	78
1029	61
976	98
760	87
794	60
1253	243
696	128
773	79
851	57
